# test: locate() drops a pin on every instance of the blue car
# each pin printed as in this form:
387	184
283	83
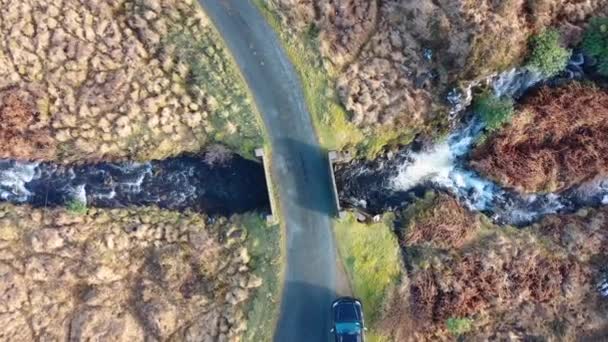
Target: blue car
348	325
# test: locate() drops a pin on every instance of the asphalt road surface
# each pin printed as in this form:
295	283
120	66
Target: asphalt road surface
299	168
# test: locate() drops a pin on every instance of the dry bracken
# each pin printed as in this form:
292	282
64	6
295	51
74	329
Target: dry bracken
556	141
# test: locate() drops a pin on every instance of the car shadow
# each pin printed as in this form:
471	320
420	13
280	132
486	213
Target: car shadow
305	314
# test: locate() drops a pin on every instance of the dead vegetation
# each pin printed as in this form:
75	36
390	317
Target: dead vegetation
529	283
428	225
500	275
584	235
395	60
557	140
124	79
21	134
122	275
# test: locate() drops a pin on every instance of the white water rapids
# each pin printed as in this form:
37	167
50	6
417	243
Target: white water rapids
442	165
393	180
185	182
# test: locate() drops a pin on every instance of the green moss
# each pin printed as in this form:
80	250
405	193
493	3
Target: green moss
76	207
459	326
595	43
264	246
547	55
494	111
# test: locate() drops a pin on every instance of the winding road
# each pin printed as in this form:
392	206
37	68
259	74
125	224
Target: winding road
299	167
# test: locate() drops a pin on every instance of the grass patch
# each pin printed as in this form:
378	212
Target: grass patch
76	207
264	245
372	259
547	55
494	111
459	326
214	75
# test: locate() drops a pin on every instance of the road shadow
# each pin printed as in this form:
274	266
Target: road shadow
305	314
313	183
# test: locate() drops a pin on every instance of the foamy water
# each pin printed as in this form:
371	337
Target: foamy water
443	165
13	179
176	183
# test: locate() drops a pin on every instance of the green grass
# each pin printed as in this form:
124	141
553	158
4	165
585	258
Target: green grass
458	326
264	245
76	207
371	256
547	55
330	118
494	111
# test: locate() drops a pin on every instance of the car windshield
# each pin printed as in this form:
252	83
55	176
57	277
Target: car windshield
347	312
350	328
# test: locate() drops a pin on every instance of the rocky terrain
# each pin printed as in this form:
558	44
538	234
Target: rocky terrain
122	275
395	61
498	282
116	79
555	141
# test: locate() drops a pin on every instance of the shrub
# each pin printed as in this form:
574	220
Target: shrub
548	56
76	207
494	111
458	326
595	43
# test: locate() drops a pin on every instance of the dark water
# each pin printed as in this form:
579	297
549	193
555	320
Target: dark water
186	182
370	187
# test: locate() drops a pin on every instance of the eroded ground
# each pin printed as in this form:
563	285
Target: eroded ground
116	79
122	275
